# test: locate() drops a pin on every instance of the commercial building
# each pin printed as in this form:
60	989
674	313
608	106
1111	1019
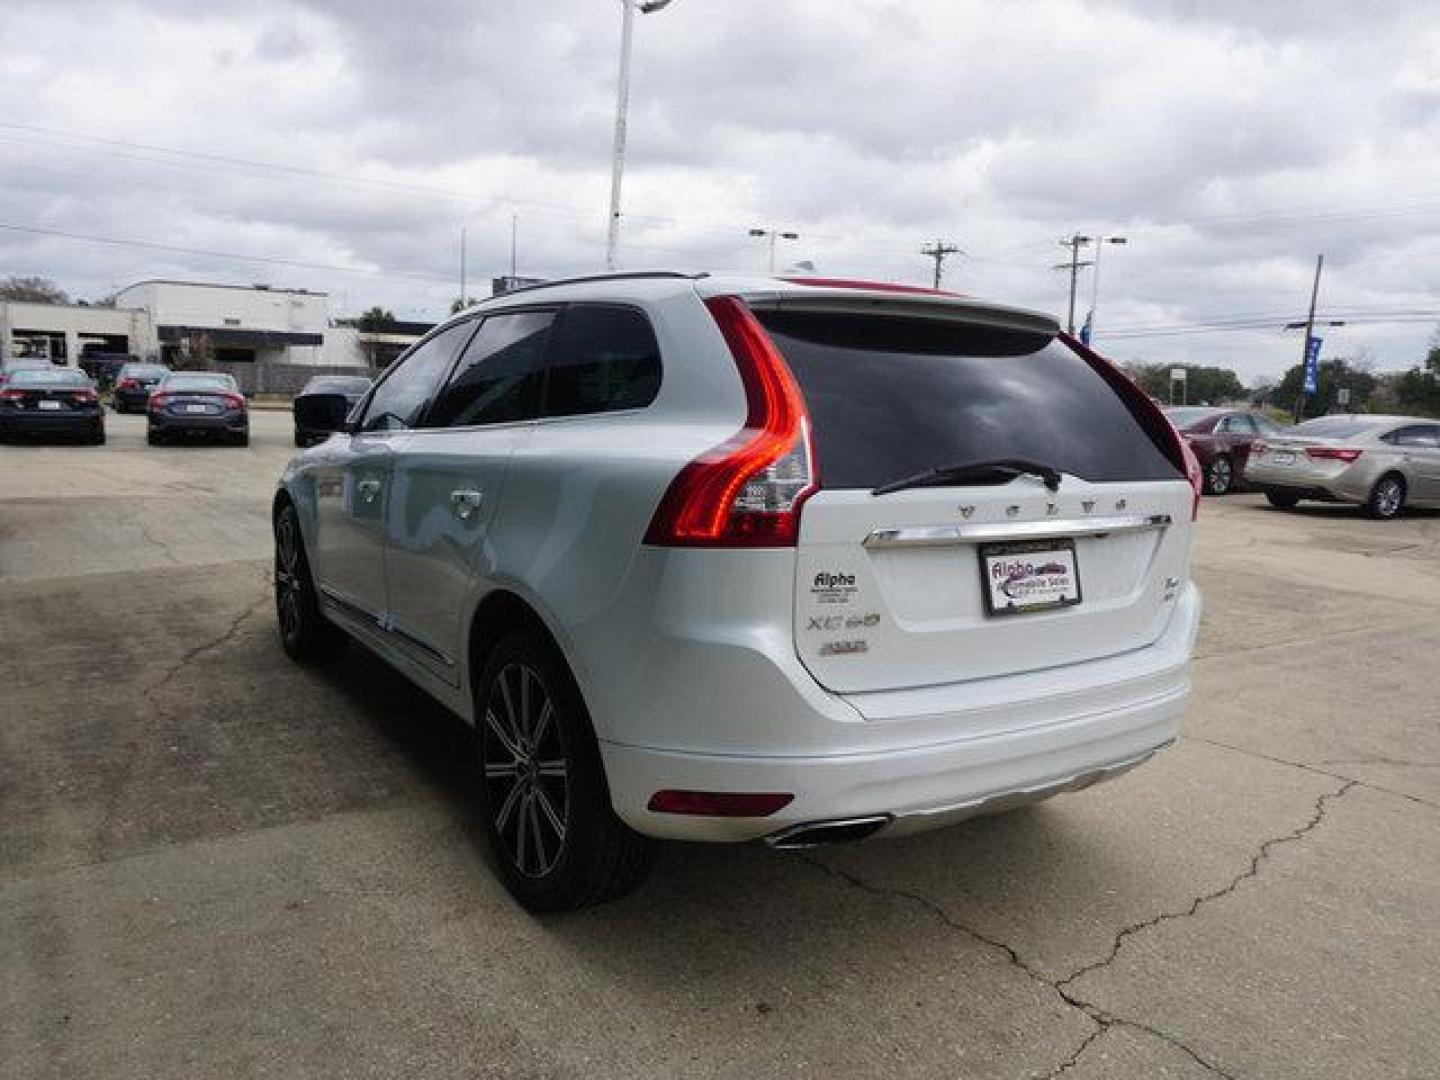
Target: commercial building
270	339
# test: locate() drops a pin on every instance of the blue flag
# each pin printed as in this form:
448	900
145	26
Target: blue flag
1085	328
1312	365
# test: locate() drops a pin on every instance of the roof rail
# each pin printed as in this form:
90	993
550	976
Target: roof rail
615	275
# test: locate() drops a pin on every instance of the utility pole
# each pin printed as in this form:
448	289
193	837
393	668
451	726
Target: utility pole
514	228
937	251
1309	332
462	266
1074	243
774	234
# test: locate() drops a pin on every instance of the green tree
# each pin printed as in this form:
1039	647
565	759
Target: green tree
376	319
1334	374
1210	385
378	354
1418	390
460	303
33	290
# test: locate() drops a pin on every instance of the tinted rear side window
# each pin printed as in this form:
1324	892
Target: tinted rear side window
893	397
498	379
601	359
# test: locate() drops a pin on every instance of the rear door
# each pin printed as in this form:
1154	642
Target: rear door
1420	448
448	479
995	575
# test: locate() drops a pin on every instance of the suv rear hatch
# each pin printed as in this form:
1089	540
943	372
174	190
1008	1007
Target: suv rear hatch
993	573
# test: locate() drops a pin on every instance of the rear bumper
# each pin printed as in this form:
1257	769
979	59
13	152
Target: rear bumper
130	399
232	424
37	423
1047	732
1351	484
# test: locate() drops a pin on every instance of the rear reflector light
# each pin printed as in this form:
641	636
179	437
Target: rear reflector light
1150	416
157	402
1332	453
746	492
719	803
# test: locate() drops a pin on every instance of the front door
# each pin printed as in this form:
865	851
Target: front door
353	479
448	481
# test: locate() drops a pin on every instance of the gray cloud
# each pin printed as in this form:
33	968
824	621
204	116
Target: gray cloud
1231	142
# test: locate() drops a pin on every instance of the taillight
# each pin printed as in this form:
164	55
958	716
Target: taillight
1258	446
1332	453
127	384
157	402
233	401
746	492
12	395
84	397
1151	417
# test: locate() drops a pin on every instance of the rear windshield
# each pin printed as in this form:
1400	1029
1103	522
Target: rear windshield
338	384
144	371
1335	427
893	397
1183	418
200	382
48	377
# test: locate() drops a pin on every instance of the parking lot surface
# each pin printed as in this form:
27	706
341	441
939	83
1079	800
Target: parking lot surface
216	863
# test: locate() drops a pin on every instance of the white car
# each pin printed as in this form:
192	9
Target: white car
721	558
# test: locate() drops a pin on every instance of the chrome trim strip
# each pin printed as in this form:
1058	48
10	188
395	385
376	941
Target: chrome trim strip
941	535
349	607
422	646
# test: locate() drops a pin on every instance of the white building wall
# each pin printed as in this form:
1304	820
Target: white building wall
179	303
77	323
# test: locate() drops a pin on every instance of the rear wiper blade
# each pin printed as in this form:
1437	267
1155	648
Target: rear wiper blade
975	470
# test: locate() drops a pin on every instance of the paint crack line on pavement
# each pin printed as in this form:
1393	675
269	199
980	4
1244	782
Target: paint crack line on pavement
220	640
1253	870
1103	1020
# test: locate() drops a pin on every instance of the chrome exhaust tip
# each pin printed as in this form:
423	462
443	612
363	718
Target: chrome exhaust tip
814	834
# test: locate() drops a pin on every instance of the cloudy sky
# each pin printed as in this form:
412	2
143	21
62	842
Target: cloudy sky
342	145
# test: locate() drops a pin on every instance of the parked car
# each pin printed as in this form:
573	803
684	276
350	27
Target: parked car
1381	463
322	405
22	363
1221	440
48	401
723	559
105	367
133	385
197	403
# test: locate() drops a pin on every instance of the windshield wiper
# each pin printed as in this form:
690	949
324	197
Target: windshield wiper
1000	468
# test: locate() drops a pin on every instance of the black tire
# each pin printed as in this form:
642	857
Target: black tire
117	407
305	634
98	438
241	440
1281	501
1219	475
1387	498
300	441
154	438
543	796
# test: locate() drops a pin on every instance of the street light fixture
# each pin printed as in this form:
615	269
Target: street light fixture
1100	242
622	108
774	235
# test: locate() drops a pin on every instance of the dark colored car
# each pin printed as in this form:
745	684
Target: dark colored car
1221	440
49	401
198	403
104	367
322	405
133	385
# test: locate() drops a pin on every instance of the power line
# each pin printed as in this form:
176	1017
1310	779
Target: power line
151	245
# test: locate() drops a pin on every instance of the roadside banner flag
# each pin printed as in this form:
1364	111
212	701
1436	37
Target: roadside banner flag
1312	365
1085	328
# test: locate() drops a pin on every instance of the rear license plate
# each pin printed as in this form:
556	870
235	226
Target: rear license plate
1029	576
52	406
197	408
1282	457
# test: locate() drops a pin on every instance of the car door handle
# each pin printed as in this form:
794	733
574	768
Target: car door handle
463	504
367	490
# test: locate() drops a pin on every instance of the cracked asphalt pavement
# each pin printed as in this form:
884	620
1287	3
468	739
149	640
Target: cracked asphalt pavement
214	863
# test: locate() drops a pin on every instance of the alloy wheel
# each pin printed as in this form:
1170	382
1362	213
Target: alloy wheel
1221	475
527	774
287	575
1387	497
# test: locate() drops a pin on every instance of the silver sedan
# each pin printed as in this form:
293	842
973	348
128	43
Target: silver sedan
1381	463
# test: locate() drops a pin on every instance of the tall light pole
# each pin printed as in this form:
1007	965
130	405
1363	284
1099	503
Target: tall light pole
622	108
1074	243
1100	242
774	234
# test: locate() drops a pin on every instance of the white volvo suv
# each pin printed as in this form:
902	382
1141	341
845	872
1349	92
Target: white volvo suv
723	559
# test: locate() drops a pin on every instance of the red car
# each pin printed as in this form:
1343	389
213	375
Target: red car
1221	439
